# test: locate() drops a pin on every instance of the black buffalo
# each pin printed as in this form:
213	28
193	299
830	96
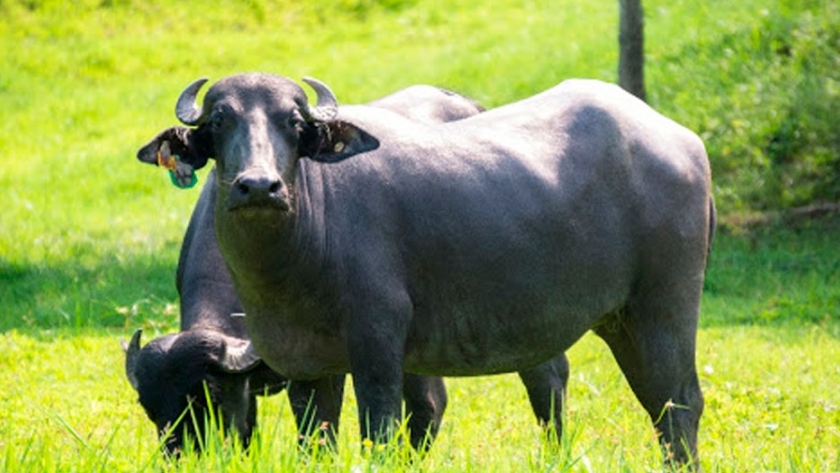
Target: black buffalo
360	241
171	372
210	351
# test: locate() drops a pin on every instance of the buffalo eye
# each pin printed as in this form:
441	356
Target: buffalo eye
296	122
216	120
219	118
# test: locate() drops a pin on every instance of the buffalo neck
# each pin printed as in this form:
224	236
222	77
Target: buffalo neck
272	252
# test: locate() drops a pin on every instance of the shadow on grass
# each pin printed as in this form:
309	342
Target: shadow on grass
780	273
772	275
112	294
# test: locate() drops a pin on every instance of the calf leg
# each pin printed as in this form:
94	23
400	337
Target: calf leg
425	401
546	386
655	349
316	405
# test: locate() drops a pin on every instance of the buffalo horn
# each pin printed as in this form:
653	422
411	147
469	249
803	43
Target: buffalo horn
326	107
238	356
132	355
187	110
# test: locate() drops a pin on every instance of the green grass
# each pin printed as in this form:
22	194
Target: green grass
89	237
775	275
771	405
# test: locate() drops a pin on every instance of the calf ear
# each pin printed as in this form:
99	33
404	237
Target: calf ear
334	141
183	142
235	355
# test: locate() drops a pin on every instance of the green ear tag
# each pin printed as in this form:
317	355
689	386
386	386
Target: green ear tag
185	181
182	174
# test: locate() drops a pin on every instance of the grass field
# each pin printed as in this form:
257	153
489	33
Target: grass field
89	237
771	405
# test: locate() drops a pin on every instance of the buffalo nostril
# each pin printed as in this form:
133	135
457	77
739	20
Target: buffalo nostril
258	186
257	191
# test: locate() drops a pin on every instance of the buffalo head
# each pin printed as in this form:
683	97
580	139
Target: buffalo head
256	127
182	379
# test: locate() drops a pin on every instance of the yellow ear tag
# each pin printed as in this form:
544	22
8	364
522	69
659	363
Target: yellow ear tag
181	174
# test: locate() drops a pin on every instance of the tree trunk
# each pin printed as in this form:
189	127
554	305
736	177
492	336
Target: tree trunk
631	44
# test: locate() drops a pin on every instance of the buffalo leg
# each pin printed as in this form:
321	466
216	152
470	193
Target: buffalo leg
425	401
379	315
546	386
657	356
378	387
316	405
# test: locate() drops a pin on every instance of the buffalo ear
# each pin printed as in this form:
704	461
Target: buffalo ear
186	143
334	141
235	355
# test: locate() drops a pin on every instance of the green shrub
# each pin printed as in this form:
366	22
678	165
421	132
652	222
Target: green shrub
764	97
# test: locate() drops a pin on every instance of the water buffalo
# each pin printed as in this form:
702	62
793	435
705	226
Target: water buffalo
210	349
360	241
172	371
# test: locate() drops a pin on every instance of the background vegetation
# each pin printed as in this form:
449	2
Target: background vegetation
89	237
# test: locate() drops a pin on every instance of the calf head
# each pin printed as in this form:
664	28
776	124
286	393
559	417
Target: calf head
256	127
183	378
